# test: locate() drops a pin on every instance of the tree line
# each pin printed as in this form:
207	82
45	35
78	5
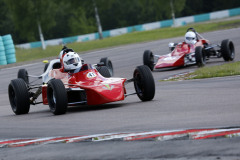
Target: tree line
63	18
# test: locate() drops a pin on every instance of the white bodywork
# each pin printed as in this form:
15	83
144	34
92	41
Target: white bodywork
45	76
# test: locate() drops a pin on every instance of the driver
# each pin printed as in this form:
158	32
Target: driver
190	37
71	62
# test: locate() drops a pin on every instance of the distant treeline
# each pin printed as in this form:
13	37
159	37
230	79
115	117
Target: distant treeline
63	18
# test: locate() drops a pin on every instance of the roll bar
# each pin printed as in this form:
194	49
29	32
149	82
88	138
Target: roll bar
198	35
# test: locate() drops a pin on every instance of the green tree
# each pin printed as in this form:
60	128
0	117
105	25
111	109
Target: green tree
206	6
117	13
6	23
27	14
73	18
63	18
82	17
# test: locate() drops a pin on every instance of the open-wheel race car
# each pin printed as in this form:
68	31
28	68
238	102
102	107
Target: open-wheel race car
91	84
194	50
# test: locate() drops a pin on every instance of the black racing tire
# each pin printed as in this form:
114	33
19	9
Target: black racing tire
148	59
227	50
104	71
23	74
200	56
45	67
19	96
144	83
57	97
108	63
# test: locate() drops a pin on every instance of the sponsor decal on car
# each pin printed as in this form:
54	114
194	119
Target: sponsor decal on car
108	87
91	75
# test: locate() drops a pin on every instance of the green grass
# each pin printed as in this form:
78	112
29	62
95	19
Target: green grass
228	69
135	37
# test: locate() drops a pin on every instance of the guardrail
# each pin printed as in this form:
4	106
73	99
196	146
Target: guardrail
143	27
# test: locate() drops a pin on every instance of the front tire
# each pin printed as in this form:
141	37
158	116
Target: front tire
19	96
144	83
148	59
227	50
108	63
57	97
200	56
23	74
104	71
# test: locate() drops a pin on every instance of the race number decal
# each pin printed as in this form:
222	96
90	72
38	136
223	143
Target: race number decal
91	75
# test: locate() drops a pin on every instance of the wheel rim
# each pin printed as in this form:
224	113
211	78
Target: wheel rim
232	54
231	48
203	58
110	67
152	60
138	84
52	101
27	79
13	99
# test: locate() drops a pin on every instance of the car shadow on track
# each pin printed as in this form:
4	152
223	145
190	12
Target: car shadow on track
212	62
87	108
169	69
45	112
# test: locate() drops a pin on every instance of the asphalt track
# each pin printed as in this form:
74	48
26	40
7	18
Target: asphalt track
194	104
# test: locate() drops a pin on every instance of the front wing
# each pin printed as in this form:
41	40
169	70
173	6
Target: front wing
100	92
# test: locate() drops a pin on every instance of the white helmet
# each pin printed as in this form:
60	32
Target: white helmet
190	37
64	50
60	54
71	61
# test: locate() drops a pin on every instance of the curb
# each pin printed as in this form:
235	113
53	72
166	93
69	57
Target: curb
190	134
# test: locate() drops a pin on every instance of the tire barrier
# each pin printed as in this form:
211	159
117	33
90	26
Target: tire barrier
3	60
9	49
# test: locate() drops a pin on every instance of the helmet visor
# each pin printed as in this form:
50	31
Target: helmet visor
190	38
73	61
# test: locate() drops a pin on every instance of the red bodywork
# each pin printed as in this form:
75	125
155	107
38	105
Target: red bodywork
99	90
176	57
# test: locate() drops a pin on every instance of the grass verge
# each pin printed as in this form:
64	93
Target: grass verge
135	37
228	69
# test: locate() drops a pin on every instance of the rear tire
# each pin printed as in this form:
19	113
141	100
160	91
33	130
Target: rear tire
144	83
108	63
19	96
57	97
148	59
23	74
200	56
104	71
227	50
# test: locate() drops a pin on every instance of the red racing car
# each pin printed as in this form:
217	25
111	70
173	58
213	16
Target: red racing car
88	85
194	50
